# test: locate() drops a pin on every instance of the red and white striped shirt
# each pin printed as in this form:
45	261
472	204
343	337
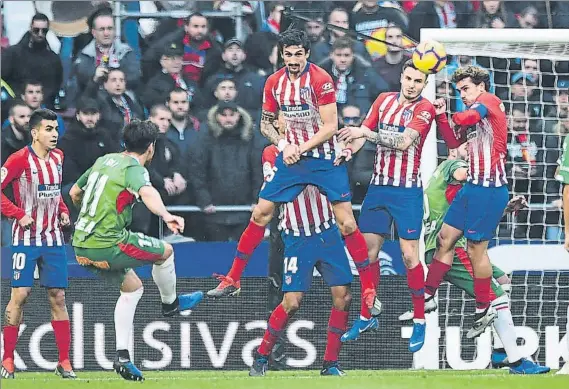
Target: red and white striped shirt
395	167
486	128
37	192
299	102
309	213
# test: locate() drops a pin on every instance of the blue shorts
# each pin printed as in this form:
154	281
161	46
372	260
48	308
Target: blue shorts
325	251
477	210
289	181
383	205
51	261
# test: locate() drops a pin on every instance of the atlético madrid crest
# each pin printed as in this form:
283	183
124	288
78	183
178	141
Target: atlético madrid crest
288	280
305	93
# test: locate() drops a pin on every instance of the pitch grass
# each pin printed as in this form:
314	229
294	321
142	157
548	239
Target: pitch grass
356	379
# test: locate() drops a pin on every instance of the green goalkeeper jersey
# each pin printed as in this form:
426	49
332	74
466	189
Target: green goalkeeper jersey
563	162
436	203
110	188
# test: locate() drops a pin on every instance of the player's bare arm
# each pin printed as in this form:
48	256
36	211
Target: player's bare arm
395	140
76	194
329	127
348	150
151	198
270	127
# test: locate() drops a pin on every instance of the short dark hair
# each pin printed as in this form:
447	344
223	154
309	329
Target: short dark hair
176	90
157	107
102	11
14	104
41	114
343	43
195	14
294	37
477	74
138	135
409	64
40	17
30	82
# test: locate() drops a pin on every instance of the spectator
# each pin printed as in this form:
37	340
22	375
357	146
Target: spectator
528	18
523	89
561	108
117	107
261	53
493	14
183	128
321	51
201	54
390	66
32	95
373	16
249	84
438	14
315	29
159	87
32	58
15	135
354	82
226	170
84	142
166	166
224	90
105	52
273	22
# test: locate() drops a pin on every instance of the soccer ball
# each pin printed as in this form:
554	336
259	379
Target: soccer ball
430	57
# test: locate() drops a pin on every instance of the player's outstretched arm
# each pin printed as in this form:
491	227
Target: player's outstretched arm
329	127
395	140
151	198
76	194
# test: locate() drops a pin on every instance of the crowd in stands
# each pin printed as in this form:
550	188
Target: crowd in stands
202	87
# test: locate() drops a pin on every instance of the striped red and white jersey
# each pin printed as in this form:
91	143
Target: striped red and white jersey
299	103
36	185
309	213
395	167
487	141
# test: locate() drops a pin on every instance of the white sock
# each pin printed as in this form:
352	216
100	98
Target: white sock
504	325
496	339
164	277
124	317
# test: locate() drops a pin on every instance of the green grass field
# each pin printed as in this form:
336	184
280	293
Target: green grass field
389	379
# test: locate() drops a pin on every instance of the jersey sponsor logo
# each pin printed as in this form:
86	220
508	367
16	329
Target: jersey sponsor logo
327	86
425	116
47	191
4	173
391	127
296	111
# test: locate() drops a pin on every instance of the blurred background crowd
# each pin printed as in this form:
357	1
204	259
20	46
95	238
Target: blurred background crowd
197	69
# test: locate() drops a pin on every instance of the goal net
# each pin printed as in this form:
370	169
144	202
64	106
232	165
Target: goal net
530	73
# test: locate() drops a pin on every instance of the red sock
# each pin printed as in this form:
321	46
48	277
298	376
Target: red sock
482	288
62	332
250	239
416	283
437	271
277	323
357	247
10	340
374	269
337	325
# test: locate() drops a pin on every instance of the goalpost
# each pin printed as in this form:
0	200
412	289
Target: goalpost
528	246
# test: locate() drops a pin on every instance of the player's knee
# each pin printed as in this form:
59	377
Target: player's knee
444	242
262	214
342	301
410	256
56	298
473	250
291	303
348	226
20	296
168	251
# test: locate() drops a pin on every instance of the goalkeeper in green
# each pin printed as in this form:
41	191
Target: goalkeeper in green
443	186
562	175
105	194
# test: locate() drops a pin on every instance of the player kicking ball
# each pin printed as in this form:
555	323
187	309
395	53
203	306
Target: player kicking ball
39	213
398	122
311	239
105	194
305	96
441	190
478	207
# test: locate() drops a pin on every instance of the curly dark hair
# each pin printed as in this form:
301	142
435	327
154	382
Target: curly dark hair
294	37
138	135
477	74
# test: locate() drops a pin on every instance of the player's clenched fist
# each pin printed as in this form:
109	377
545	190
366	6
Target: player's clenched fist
440	106
175	223
26	222
348	134
64	220
291	154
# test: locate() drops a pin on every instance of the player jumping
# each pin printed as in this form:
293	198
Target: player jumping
562	174
442	188
304	94
311	239
106	193
478	207
398	123
39	213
